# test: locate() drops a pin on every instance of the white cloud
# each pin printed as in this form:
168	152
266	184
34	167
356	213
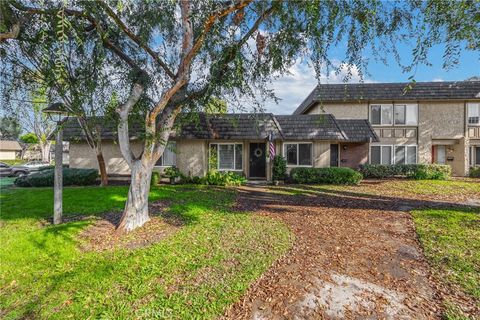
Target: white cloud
294	87
438	80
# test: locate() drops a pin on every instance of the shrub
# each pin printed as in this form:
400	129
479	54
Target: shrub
155	179
71	177
279	168
172	173
226	178
430	172
325	175
411	171
474	172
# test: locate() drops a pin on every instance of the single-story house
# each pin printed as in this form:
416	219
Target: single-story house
10	150
241	143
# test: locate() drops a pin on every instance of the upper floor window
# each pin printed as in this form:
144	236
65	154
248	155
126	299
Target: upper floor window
473	113
298	154
399	114
169	157
381	114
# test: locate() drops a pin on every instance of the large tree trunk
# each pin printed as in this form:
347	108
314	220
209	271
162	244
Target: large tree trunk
45	150
102	168
135	213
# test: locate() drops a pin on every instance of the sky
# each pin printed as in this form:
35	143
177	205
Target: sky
292	89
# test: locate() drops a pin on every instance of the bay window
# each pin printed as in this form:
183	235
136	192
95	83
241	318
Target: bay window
226	156
169	157
473	113
298	154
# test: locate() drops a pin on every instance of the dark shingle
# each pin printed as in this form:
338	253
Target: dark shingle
354	92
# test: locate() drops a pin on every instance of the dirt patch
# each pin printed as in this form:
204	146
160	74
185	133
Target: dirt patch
353	258
101	235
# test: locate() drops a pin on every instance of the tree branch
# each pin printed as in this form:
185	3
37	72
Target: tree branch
135	38
123	134
12	34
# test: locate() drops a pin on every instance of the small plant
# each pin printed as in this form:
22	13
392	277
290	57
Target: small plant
172	173
155	179
279	168
325	175
474	172
227	178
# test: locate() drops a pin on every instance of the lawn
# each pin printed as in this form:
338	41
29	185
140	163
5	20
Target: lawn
199	270
451	242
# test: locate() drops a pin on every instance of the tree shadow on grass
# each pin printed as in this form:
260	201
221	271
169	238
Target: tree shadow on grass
313	196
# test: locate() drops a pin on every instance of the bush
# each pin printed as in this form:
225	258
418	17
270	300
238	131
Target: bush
226	178
155	179
430	172
411	171
279	170
172	173
474	172
71	177
325	175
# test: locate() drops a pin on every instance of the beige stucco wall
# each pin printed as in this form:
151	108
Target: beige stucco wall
82	156
443	120
342	110
321	154
192	157
7	155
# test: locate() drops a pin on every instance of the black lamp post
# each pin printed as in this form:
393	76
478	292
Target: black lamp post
56	112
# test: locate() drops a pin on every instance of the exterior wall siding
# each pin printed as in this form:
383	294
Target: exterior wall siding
7	155
342	111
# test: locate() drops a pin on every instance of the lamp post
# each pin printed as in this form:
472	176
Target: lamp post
56	111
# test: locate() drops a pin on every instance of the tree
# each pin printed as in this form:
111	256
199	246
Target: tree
9	128
216	105
29	138
232	48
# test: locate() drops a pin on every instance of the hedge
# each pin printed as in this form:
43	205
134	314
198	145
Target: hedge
325	175
410	171
475	172
71	177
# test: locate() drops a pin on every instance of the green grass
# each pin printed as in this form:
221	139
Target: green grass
196	272
6	182
451	242
436	187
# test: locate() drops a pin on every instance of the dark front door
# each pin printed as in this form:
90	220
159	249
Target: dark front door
334	155
257	160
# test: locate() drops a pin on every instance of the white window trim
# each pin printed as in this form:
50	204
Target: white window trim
393	114
298	152
473	160
234	154
468	110
381	105
406	152
392	153
162	166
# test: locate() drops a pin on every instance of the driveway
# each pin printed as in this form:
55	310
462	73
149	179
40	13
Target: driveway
355	256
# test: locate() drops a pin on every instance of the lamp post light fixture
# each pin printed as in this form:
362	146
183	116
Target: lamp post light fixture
56	112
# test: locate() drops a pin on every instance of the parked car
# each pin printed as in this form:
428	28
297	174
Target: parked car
5	170
28	167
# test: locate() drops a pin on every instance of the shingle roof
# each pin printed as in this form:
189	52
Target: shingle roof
248	126
10	145
445	90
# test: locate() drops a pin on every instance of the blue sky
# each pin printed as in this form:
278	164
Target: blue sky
293	88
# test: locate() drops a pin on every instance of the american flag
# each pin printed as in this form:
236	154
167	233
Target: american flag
271	146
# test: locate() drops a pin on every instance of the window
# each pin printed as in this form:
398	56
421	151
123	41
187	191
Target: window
298	154
474	156
405	154
473	113
226	156
381	154
169	157
381	114
406	114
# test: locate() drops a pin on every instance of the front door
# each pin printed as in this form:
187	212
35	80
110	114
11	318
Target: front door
334	155
257	160
440	154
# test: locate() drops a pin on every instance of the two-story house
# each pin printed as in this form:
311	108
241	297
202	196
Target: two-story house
425	122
